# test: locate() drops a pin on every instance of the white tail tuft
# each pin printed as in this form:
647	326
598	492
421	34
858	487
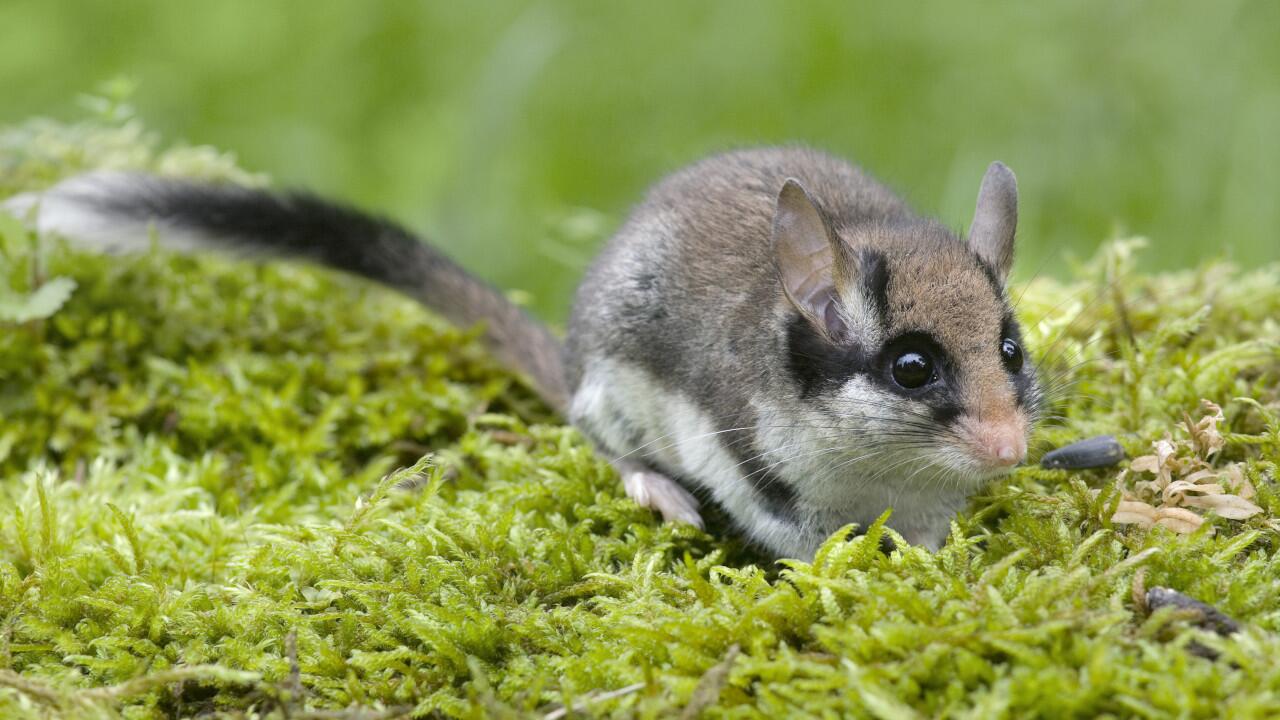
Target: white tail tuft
80	210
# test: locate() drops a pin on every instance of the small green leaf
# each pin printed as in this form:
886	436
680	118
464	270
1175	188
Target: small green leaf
40	304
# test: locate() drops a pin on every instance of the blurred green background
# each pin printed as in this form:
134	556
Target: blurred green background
518	134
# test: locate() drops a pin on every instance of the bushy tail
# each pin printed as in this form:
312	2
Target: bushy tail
115	211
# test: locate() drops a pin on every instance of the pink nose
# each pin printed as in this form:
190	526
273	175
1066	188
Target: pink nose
1005	455
1002	446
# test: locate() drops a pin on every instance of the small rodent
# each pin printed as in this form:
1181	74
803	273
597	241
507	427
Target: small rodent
771	330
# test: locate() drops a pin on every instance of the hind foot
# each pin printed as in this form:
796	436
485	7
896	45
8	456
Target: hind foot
656	491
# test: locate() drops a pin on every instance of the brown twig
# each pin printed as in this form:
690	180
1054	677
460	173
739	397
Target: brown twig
592	699
709	687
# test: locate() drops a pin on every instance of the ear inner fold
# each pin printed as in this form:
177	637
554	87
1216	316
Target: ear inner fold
813	262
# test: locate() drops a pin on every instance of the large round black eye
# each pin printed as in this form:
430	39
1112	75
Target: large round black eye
1011	354
912	370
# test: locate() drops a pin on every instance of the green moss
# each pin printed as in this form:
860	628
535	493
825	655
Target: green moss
198	512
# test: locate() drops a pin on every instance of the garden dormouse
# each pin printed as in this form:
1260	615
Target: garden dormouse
771	330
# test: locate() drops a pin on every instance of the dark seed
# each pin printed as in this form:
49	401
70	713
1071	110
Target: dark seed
1095	452
1203	615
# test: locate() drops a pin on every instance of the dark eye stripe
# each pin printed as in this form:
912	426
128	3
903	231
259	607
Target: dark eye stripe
945	413
820	366
817	364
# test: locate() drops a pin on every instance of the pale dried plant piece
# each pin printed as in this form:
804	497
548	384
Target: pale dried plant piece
1133	512
1178	520
1200	476
1184	482
1206	439
1175	492
1161	463
1238	481
1232	507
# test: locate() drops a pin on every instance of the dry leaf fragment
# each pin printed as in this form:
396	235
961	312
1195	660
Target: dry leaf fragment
1176	490
1179	520
1232	507
1161	463
1200	475
1186	482
1205	437
1132	512
1237	481
1145	463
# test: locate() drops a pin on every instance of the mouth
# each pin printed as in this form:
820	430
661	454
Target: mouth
972	469
949	466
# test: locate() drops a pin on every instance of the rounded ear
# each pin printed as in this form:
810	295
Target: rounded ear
995	220
810	257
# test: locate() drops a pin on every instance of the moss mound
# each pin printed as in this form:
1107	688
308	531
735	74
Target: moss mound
200	513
